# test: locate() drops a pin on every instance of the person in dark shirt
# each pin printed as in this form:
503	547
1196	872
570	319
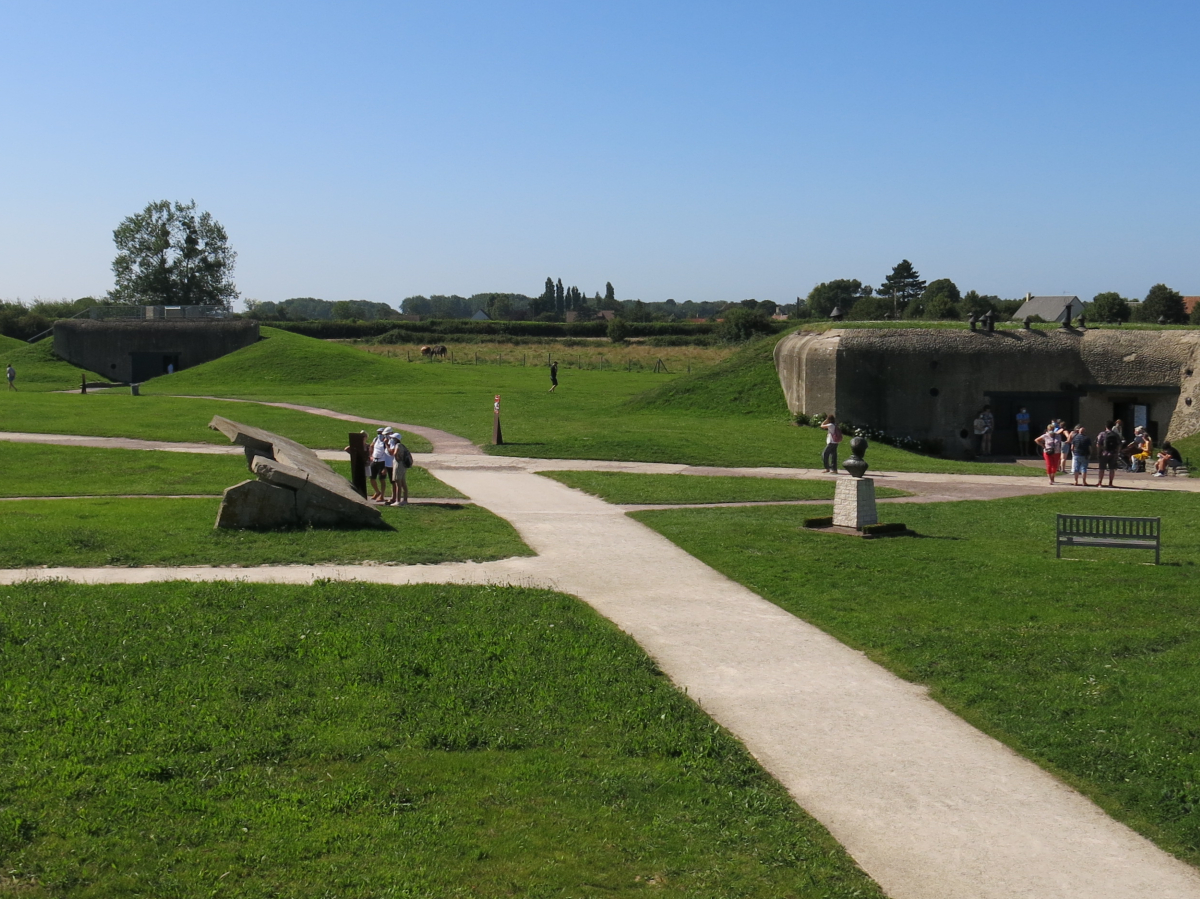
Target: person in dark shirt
1081	450
1168	456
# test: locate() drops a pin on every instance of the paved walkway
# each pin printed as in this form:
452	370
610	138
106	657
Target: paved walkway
926	804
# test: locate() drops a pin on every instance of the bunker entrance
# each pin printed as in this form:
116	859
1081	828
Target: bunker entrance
1042	408
151	365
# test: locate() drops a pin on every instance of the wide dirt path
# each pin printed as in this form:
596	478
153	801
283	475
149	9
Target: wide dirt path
927	805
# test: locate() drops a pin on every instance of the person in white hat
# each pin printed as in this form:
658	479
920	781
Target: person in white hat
378	454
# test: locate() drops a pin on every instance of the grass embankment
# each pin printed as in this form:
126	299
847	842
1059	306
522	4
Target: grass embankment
733	414
38	369
1088	668
354	740
621	487
111	414
177	532
47	470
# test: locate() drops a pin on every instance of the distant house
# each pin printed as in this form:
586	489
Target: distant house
1189	303
1050	309
481	316
606	314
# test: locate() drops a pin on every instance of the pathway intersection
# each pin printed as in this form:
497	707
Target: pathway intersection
927	804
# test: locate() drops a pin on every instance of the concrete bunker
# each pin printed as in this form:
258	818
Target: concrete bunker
136	350
929	384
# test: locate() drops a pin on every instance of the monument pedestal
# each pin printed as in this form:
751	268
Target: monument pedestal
854	503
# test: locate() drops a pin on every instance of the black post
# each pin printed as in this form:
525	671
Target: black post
358	461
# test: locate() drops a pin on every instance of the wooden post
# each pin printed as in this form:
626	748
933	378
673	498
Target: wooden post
83	384
497	434
358	461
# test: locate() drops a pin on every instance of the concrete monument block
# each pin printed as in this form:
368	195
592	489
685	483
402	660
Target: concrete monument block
854	503
294	487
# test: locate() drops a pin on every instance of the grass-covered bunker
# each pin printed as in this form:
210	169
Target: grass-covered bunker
930	383
141	349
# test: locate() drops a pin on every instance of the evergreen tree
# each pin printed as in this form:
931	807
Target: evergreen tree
903	286
559	298
609	294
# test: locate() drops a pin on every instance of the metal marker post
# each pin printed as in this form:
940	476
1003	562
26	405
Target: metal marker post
497	434
358	461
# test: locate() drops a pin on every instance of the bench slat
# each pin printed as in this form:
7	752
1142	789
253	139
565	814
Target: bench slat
1139	533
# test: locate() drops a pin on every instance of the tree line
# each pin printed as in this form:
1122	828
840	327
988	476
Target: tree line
905	295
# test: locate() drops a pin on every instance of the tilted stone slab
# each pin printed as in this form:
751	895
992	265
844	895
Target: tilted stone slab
288	473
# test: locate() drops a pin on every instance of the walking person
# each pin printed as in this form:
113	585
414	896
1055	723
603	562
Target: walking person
402	463
11	373
1051	446
553	376
1108	442
1081	451
1023	432
833	437
989	427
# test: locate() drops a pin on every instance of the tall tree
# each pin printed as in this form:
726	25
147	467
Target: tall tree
1163	303
609	294
841	292
559	298
1109	306
903	286
171	256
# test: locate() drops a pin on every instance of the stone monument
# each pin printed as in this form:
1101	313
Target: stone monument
295	486
854	498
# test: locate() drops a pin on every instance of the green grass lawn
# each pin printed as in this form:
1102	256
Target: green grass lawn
622	487
158	532
732	414
355	740
38	369
47	470
1090	668
112	414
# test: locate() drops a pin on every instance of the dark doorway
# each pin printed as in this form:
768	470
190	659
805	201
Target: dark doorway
151	365
1042	408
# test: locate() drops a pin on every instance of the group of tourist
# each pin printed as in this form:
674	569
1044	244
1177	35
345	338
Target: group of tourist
984	426
390	462
1113	451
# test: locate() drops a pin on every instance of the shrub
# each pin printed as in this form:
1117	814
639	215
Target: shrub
741	324
618	330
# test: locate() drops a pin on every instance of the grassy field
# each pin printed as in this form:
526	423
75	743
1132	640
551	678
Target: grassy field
112	414
1087	667
46	470
621	487
38	369
172	532
599	353
731	414
353	740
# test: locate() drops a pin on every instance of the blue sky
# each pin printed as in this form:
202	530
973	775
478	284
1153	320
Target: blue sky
689	150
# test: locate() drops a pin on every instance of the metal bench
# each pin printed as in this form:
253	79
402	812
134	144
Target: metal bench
1109	531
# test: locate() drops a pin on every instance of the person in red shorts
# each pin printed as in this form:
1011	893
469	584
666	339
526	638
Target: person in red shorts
1051	444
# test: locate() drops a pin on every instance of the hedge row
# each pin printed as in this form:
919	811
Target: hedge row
447	328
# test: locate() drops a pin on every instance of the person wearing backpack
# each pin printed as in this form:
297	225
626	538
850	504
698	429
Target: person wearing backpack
1051	444
403	462
833	437
1108	442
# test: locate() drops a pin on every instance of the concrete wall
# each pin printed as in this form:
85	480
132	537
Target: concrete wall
930	383
112	347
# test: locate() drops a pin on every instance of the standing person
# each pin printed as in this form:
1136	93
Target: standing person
833	437
402	463
980	428
12	376
1051	445
553	376
1081	451
989	427
389	461
1022	432
1109	444
378	448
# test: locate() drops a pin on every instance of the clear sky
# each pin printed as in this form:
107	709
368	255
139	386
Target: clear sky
690	150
